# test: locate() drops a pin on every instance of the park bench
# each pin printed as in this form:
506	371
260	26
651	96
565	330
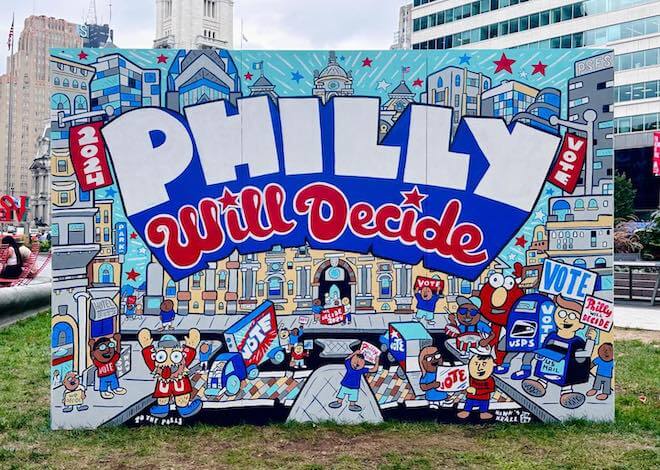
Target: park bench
30	267
636	280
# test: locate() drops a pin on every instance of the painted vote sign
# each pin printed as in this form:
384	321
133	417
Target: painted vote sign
217	213
598	313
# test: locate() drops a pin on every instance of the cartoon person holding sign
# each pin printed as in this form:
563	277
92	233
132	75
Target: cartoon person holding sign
426	301
350	384
429	360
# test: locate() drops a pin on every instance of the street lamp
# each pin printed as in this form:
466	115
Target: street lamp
589	117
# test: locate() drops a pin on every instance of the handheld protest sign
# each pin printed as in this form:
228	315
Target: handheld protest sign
241	232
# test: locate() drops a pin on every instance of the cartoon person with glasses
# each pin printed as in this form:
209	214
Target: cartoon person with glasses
468	326
565	358
169	361
105	355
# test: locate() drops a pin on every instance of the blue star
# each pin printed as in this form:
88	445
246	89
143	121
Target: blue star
110	192
296	76
342	58
464	59
549	192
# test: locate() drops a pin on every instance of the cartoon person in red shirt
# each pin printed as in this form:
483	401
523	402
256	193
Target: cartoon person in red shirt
105	355
481	385
169	361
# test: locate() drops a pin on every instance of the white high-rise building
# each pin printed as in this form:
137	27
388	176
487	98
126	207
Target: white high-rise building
194	24
630	27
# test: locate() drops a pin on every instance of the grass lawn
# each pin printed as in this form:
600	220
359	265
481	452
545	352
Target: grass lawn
26	441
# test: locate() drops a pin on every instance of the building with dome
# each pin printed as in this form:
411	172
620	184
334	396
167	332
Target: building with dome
399	99
332	81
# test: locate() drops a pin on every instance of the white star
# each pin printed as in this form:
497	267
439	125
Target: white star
523	74
512	256
142	251
383	85
539	215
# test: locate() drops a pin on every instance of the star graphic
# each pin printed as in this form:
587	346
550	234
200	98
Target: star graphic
521	241
419	82
413	198
248	76
512	256
142	251
464	59
83	55
367	62
383	85
539	215
228	200
539	68
134	236
504	64
110	192
296	76
342	58
132	275
523	74
549	192
162	59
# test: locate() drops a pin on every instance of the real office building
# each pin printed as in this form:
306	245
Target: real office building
630	27
194	24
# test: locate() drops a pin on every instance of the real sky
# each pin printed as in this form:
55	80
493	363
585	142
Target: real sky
266	24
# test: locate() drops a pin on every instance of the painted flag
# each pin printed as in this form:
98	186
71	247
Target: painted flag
405	69
258	65
10	40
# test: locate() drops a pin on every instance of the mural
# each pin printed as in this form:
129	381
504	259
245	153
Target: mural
354	236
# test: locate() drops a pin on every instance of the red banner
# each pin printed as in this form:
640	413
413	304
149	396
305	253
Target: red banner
88	156
566	171
13	209
656	153
333	315
435	284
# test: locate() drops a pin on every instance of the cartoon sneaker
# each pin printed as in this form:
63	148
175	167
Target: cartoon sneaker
503	369
355	407
522	374
119	391
67	409
571	400
335	404
159	411
533	387
192	408
82	407
107	395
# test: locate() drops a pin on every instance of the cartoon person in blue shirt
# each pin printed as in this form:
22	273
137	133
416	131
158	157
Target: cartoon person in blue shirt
426	300
429	360
469	324
604	365
350	384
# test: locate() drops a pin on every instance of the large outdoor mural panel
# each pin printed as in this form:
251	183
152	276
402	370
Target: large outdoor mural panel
355	236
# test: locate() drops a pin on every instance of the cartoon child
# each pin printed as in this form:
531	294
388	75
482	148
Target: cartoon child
482	384
298	355
105	355
350	384
426	301
604	364
284	338
346	302
167	315
429	360
169	361
470	325
564	357
74	393
205	351
294	336
316	309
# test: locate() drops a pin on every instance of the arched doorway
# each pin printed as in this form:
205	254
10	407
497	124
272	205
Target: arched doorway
62	351
334	280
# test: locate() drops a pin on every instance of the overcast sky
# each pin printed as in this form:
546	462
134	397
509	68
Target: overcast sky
267	24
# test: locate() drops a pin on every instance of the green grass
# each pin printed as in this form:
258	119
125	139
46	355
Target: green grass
632	441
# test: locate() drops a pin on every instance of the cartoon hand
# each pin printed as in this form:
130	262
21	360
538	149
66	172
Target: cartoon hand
591	334
144	338
484	342
471	390
117	338
192	340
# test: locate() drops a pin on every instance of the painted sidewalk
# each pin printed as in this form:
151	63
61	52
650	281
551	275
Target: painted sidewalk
638	315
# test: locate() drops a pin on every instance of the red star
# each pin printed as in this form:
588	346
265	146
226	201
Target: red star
248	76
133	236
367	62
539	68
162	59
132	275
83	55
521	241
419	82
413	198
228	200
504	64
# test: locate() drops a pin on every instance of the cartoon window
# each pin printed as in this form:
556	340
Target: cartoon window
440	83
466	287
385	285
579	205
195	305
600	263
65	82
106	234
275	288
170	291
74	84
80	103
222	280
56	81
196	281
593	205
457	80
580	263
